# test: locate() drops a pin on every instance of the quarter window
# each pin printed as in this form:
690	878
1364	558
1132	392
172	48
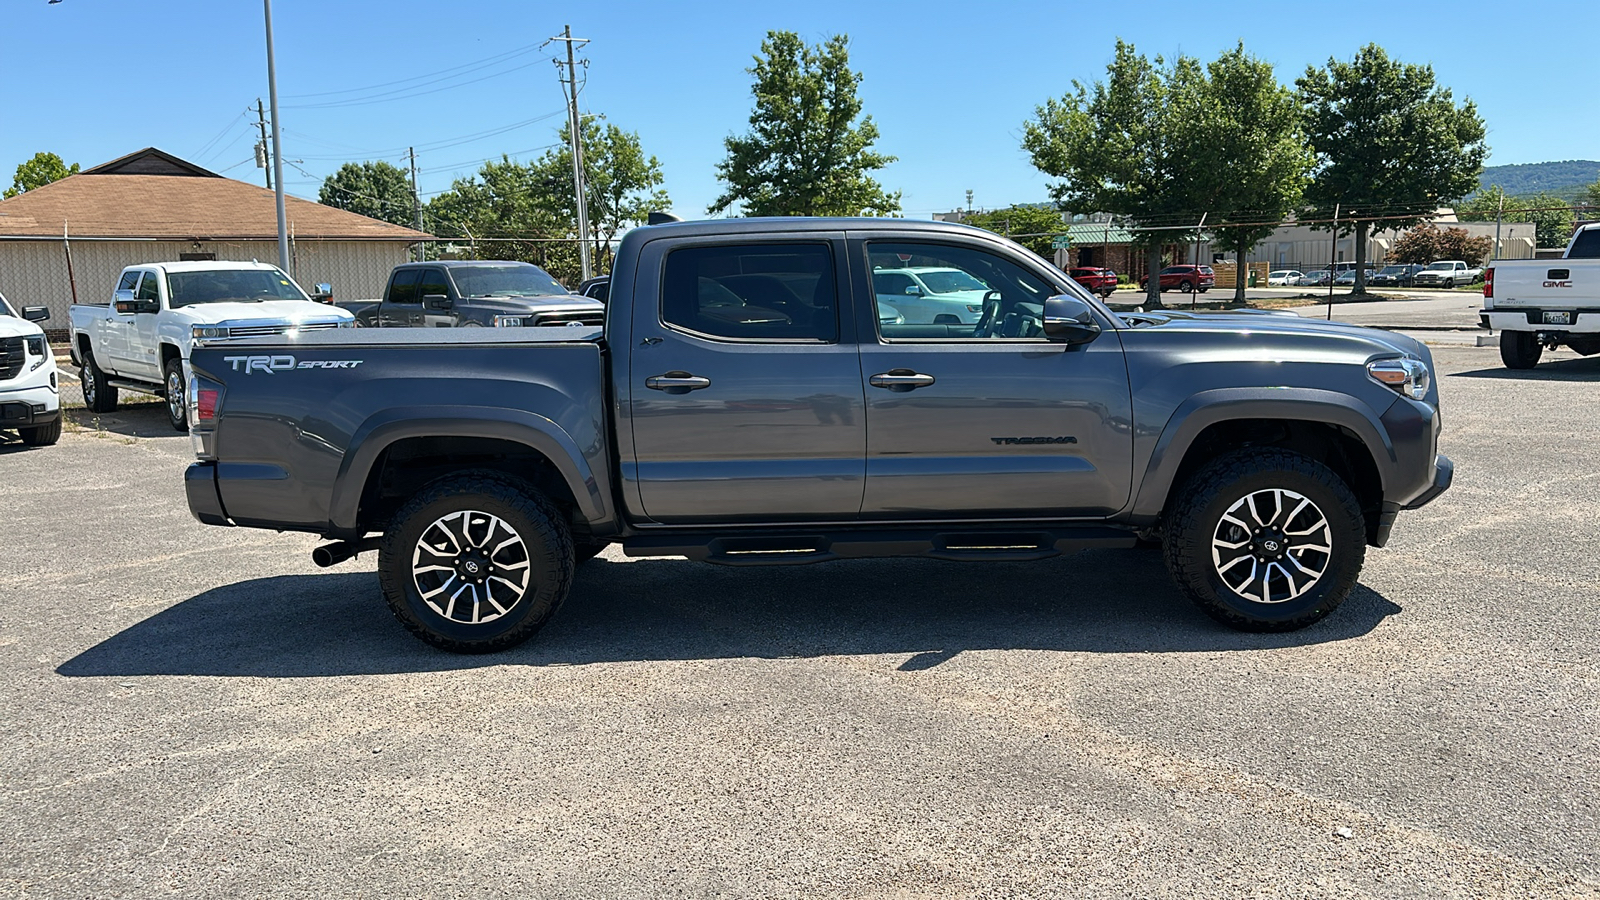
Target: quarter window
970	293
752	292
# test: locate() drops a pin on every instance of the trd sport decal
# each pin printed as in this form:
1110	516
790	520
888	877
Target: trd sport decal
275	364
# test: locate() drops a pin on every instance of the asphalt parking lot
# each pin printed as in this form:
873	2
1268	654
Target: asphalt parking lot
201	712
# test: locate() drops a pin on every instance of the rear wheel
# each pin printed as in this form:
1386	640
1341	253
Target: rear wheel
41	435
98	395
1265	540
476	563
1520	349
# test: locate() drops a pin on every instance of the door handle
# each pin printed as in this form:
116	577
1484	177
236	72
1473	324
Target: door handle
677	382
900	380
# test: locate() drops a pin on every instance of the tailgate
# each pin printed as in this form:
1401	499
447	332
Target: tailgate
1539	283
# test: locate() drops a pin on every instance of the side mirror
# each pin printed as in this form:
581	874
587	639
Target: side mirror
437	301
1069	319
322	293
124	303
36	313
913	291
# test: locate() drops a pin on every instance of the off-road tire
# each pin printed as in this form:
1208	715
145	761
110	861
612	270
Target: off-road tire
1195	515
176	388
529	515
41	435
1520	349
98	395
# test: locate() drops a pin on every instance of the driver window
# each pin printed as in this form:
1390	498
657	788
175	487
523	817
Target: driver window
147	287
951	292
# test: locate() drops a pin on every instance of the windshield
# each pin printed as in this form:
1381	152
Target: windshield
505	281
950	282
1442	265
6	310
230	285
1392	270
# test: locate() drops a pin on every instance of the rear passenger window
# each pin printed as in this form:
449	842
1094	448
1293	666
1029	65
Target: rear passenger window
753	292
403	289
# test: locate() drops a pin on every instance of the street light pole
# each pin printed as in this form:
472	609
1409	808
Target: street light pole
277	146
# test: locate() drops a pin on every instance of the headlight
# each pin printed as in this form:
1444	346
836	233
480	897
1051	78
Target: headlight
36	347
508	321
1406	376
209	332
347	323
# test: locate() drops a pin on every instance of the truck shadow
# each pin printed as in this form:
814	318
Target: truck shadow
141	419
1582	369
671	609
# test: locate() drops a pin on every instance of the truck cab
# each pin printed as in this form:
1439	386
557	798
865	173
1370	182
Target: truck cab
474	293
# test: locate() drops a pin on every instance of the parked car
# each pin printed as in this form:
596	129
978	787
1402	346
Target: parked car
1284	277
1446	273
1316	278
1546	303
1266	451
1403	275
1185	278
474	293
30	396
1095	280
142	340
931	295
1348	276
596	288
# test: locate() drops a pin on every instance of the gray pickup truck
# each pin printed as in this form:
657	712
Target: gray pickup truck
473	293
747	403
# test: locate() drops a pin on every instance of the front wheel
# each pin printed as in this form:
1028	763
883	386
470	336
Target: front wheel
1186	286
476	563
1520	349
41	435
1265	540
177	408
1449	282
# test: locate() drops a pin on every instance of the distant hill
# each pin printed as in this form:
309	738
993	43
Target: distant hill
1567	178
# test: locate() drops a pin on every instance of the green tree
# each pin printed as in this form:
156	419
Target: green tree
1257	145
805	154
622	185
39	171
1592	197
1390	142
1550	214
378	190
1034	227
1427	243
1135	145
504	212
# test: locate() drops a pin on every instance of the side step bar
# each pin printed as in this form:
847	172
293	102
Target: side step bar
799	548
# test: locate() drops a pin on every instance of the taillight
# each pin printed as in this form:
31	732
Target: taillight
206	405
1488	283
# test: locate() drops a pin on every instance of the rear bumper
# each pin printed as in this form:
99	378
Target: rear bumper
1528	318
200	486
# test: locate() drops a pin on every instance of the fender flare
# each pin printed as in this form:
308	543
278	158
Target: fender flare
383	429
1208	408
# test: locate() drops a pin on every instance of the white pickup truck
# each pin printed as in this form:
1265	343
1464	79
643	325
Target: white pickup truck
1539	303
141	341
30	398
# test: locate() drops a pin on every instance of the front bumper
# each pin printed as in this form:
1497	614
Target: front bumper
37	404
1443	473
200	486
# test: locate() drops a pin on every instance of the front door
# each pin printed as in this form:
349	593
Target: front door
991	420
434	284
113	332
745	384
402	305
144	352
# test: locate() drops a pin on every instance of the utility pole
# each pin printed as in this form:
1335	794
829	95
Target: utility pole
1499	216
277	145
416	199
262	158
576	135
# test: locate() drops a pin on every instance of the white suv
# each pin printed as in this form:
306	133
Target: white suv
30	398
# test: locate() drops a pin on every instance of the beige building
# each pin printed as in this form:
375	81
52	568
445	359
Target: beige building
151	206
1303	247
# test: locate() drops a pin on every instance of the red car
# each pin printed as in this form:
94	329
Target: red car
1094	280
1184	278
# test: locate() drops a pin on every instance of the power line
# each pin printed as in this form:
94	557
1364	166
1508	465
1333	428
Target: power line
391	96
484	63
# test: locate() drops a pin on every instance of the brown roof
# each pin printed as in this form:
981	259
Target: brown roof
196	205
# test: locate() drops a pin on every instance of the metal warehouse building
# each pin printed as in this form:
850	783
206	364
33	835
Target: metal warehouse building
151	206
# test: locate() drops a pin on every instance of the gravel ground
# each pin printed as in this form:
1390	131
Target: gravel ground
200	712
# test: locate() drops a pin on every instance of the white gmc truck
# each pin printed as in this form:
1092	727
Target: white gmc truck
1539	303
30	398
141	341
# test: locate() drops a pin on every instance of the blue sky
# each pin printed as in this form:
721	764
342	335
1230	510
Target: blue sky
949	84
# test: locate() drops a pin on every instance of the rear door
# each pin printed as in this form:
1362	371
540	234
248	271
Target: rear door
991	421
746	394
